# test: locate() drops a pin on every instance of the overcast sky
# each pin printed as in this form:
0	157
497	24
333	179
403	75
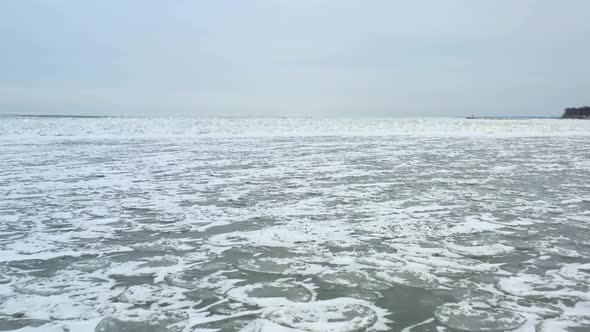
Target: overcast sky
294	57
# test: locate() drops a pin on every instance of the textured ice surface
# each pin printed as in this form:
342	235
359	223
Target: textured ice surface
334	315
409	278
155	322
294	224
466	317
277	293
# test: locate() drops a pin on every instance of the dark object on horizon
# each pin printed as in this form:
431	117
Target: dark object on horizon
576	113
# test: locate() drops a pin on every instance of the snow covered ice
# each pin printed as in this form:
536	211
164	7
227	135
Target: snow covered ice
186	224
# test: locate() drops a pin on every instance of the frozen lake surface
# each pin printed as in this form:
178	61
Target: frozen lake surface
294	225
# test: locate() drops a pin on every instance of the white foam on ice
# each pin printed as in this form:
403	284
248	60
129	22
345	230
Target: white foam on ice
254	221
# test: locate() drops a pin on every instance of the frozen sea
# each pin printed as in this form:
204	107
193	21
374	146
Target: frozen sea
187	224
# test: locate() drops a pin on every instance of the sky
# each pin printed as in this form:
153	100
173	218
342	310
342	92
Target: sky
294	57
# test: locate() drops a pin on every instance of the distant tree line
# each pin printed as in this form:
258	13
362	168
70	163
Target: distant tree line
577	113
